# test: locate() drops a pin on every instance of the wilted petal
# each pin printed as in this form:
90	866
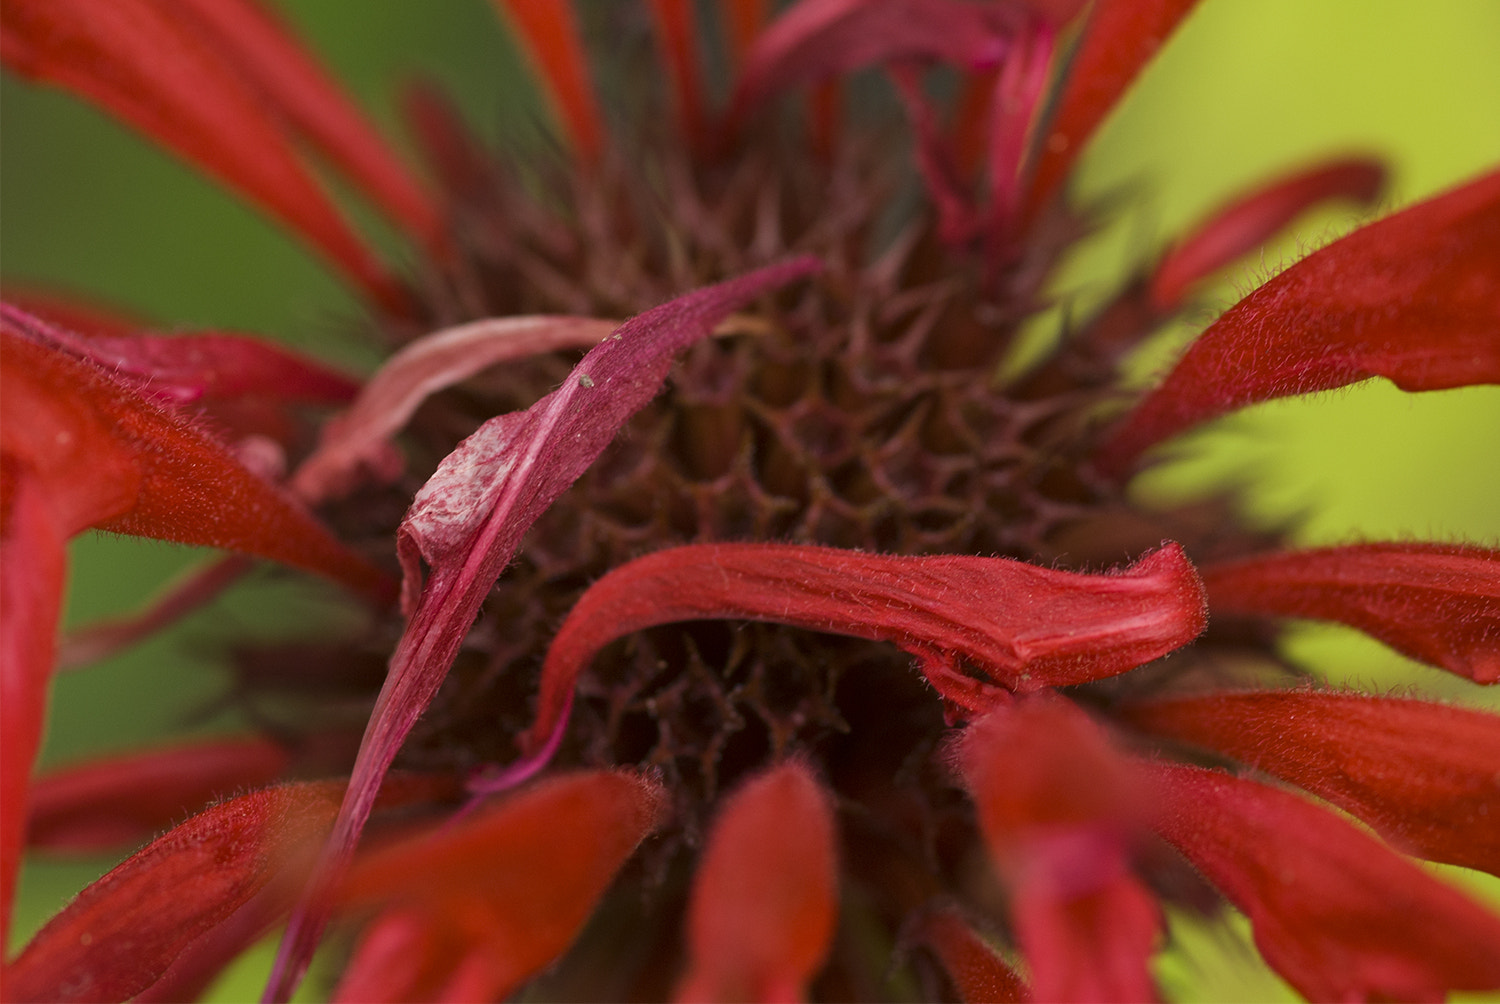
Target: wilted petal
468	521
1250	219
510	885
765	896
549	32
1426	776
1439	603
1334	911
133	59
1057	807
976	969
1414	298
1025	626
104	804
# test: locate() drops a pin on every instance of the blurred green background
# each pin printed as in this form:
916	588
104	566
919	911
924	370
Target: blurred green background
1245	90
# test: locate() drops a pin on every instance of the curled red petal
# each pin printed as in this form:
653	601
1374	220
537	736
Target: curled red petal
1423	775
100	805
109	458
1414	298
1439	603
135	61
1025	626
468	521
764	899
1249	219
1119	39
549	30
1337	913
976	969
1057	807
511	884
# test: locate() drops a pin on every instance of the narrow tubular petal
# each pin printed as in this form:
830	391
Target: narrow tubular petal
549	31
104	804
761	916
1439	603
677	33
1251	219
468	521
1057	808
121	933
1425	776
360	437
135	61
977	970
112	459
1414	298
1025	626
1334	911
511	885
33	564
261	49
1119	39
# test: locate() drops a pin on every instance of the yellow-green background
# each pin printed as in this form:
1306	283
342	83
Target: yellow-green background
1246	89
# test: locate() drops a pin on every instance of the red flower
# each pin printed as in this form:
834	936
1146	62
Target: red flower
831	465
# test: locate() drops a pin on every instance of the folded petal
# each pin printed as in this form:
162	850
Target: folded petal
976	969
133	59
1025	626
764	899
509	887
1414	298
1425	776
468	521
1057	808
1439	603
549	32
104	804
1338	914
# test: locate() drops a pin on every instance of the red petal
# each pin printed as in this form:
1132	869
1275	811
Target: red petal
98	806
1439	603
1120	38
360	437
549	32
468	521
675	24
109	458
132	59
1026	626
265	54
124	931
1335	912
33	564
1252	218
976	969
1414	298
744	20
1424	775
513	883
765	897
1056	807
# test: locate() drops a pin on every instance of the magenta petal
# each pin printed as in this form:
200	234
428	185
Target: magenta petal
467	523
1414	298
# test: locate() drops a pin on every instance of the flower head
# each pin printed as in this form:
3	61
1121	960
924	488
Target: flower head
749	627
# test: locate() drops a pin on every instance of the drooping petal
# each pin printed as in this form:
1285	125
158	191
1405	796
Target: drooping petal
133	59
108	457
1439	603
1426	776
1414	298
761	916
1119	39
104	804
549	30
360	436
1250	219
976	969
1057	808
510	886
468	521
1338	914
1025	626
